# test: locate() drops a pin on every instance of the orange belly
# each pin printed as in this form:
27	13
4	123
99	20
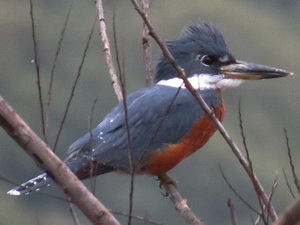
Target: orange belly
164	160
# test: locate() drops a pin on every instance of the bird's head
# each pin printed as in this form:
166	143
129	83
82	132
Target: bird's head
202	52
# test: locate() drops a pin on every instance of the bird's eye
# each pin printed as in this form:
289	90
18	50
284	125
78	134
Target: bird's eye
205	60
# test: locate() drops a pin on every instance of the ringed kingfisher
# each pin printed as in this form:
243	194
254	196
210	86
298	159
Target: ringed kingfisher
165	122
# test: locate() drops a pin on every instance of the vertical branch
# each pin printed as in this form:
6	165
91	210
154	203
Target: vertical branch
131	168
37	68
108	57
122	80
146	46
119	88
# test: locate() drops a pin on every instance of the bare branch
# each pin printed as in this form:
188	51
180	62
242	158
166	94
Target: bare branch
124	101
131	167
105	41
48	161
205	107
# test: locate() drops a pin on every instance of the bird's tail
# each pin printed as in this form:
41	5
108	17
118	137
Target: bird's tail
34	184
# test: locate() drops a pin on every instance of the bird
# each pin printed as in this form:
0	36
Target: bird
165	123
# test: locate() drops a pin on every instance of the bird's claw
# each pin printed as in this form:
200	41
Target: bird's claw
165	179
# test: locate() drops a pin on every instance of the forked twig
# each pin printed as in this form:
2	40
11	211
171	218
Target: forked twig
74	86
236	193
251	175
49	100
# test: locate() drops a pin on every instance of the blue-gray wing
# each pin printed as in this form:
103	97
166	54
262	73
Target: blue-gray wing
157	116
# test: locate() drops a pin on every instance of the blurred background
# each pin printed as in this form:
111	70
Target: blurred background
264	32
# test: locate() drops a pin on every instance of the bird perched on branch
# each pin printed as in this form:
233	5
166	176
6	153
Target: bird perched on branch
165	123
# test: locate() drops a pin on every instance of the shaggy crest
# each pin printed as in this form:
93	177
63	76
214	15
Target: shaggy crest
195	39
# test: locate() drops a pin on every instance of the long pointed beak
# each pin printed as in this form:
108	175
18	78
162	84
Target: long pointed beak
250	71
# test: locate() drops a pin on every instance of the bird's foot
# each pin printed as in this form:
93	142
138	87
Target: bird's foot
166	179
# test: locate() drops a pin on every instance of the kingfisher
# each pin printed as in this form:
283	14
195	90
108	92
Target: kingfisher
162	124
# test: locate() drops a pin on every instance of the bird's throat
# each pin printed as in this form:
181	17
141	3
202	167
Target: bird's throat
202	82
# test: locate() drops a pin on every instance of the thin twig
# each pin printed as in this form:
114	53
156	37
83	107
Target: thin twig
74	86
108	57
266	207
121	72
236	193
47	112
147	221
232	212
273	189
288	184
248	157
93	178
292	165
37	69
131	167
205	107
